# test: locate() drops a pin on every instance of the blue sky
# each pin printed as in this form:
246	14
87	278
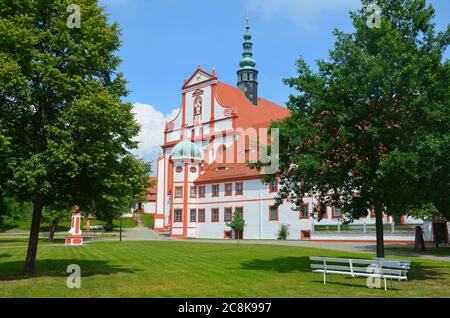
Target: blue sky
164	42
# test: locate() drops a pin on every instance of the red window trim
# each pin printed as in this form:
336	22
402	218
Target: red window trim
235	188
198	216
301	211
332	213
174	216
271	190
190	215
204	192
270	213
239	207
325	215
190	192
218	215
224	213
212	190
231	191
176	196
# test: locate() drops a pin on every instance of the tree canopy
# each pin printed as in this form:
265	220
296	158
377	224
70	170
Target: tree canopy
70	133
369	128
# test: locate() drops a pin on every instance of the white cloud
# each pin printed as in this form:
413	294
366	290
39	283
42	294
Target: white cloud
152	124
305	13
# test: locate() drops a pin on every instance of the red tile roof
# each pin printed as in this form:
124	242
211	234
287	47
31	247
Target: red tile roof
248	115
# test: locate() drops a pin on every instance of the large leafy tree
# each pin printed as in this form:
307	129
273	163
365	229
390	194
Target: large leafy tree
368	105
61	107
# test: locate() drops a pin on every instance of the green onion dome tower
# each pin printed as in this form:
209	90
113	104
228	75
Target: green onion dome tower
247	73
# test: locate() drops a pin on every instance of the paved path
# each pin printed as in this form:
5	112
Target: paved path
141	233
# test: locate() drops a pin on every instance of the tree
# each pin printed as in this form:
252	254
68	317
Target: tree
237	224
361	109
50	72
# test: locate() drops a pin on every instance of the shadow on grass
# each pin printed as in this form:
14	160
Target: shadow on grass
5	255
280	264
302	264
57	268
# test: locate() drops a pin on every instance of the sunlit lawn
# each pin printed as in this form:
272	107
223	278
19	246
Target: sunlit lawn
187	269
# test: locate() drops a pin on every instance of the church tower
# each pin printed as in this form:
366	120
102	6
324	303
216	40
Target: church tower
247	73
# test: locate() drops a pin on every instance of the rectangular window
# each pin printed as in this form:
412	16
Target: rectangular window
273	185
273	213
201	215
214	215
228	189
193	192
321	211
239	188
304	211
178	192
178	215
228	214
201	191
337	212
193	215
228	234
215	190
239	211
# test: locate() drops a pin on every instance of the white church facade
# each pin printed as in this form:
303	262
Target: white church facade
201	183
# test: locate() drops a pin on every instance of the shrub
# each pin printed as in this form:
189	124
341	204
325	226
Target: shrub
283	232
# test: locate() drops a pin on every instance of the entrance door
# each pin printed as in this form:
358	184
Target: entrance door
440	233
238	234
397	219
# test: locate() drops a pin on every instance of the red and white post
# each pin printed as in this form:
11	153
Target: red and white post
74	238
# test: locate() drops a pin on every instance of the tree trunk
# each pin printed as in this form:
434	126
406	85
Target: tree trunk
30	261
52	228
109	225
379	229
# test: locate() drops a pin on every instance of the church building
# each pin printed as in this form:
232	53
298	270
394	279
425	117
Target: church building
201	183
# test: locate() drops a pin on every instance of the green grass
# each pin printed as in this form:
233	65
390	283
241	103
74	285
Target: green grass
186	269
441	251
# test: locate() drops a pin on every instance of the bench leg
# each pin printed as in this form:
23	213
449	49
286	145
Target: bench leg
385	288
324	278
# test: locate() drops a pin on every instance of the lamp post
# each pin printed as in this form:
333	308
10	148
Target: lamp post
120	231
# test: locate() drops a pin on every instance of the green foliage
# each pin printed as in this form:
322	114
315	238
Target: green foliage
12	212
237	223
374	107
148	220
283	232
70	134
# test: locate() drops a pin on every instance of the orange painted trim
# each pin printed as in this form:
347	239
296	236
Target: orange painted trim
212	215
236	190
176	192
270	214
231	189
271	189
255	177
236	201
212	190
308	214
204	191
195	192
201	212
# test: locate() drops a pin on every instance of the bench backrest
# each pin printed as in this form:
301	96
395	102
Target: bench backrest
354	266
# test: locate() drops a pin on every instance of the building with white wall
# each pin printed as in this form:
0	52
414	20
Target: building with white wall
202	181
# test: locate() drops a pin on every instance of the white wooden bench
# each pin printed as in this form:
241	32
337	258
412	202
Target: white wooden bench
375	268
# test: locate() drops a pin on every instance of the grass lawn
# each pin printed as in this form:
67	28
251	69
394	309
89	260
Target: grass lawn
187	269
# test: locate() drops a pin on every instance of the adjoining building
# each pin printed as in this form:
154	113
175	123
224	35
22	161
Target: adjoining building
201	182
